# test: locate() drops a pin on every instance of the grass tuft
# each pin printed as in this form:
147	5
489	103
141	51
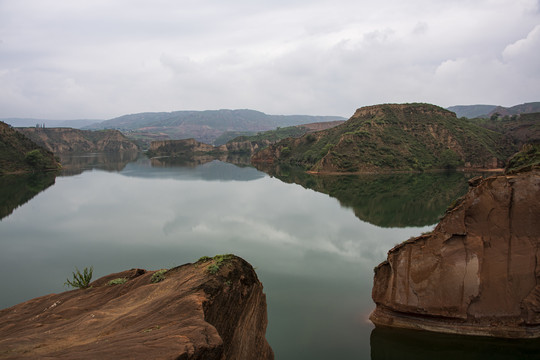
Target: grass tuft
80	280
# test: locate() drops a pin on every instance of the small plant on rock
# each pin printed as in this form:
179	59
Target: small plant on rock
219	261
80	280
118	281
158	276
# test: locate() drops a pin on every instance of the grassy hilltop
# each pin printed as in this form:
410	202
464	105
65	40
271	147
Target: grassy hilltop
390	137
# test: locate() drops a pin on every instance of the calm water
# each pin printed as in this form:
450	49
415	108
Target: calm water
313	252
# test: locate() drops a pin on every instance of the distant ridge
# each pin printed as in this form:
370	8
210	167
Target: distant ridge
471	111
204	126
484	111
30	122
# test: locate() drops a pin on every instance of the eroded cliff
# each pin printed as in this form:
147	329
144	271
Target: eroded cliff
213	309
67	140
477	273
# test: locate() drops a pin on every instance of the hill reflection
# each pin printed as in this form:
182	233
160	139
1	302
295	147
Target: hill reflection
385	200
16	190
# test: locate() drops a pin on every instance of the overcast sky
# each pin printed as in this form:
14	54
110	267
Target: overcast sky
100	59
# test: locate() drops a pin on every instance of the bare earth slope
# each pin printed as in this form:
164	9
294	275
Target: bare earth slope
477	273
192	314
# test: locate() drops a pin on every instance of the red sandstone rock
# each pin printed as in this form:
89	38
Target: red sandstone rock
477	273
192	314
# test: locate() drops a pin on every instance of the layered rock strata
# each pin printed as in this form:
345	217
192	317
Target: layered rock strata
477	273
67	140
207	310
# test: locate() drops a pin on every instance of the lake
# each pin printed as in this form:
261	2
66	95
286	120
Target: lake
313	241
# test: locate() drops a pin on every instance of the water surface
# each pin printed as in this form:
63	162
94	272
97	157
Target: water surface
312	252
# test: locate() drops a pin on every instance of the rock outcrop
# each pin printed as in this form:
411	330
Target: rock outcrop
67	140
477	273
213	309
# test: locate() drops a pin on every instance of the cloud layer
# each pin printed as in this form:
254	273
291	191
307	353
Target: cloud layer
101	59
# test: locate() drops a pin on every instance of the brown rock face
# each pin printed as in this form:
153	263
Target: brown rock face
67	140
192	314
477	273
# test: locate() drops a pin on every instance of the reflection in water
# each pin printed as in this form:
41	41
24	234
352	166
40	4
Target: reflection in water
387	344
201	168
386	200
196	160
15	190
314	257
74	164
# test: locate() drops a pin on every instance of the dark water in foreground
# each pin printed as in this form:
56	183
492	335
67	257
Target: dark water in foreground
313	252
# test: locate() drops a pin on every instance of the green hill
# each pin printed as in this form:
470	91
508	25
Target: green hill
390	137
19	154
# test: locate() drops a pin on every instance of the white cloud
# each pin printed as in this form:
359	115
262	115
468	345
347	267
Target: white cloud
103	59
525	53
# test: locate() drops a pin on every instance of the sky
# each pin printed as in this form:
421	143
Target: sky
99	59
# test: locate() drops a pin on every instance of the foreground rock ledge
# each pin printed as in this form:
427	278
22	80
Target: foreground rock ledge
477	273
192	314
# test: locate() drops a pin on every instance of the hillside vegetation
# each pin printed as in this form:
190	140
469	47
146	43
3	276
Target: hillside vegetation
517	129
19	154
390	137
528	157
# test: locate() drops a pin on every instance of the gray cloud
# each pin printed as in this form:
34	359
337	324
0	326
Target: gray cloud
100	59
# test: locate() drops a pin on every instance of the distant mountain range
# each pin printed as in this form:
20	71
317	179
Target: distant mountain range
485	111
218	126
204	126
29	122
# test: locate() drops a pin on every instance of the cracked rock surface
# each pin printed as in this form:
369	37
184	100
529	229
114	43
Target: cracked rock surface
477	273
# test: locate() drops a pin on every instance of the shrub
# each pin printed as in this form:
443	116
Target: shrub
118	281
286	151
80	280
34	158
218	262
158	276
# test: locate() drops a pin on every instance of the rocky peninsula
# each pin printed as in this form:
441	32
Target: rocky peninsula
477	272
212	309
